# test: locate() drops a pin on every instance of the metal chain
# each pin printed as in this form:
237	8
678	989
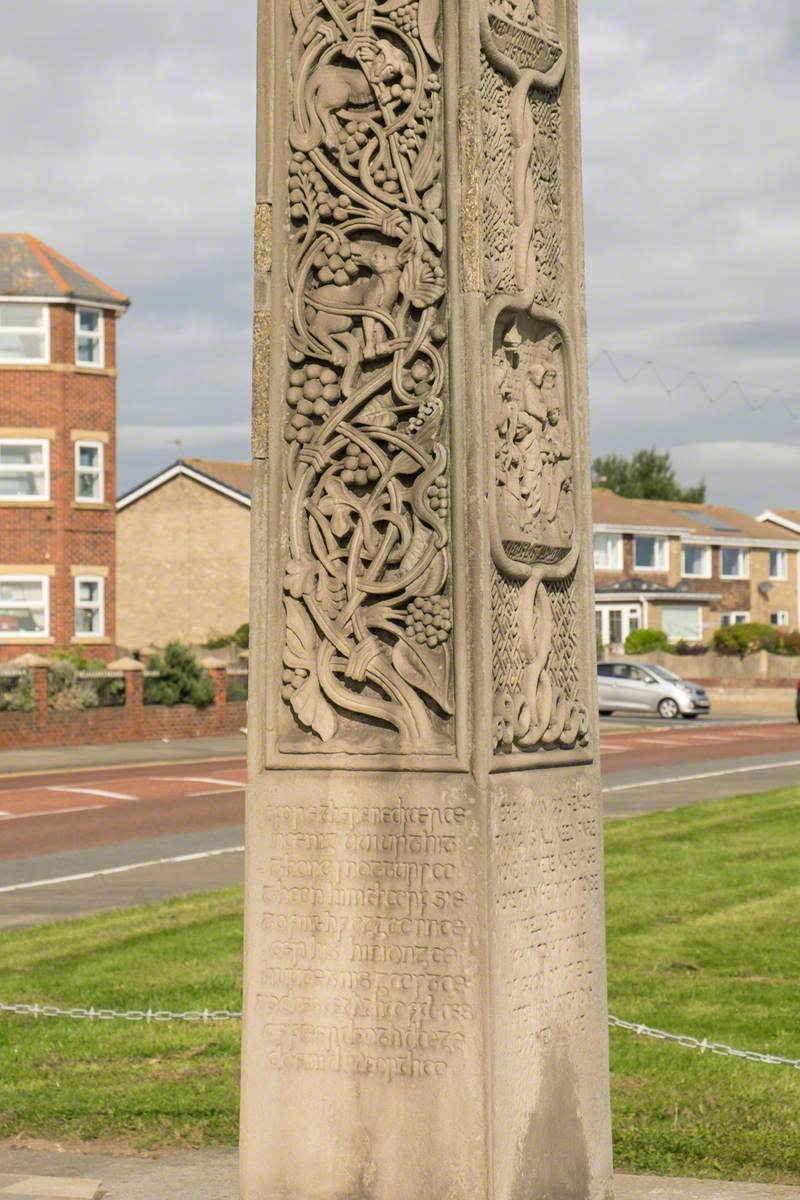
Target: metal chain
222	1014
693	1043
109	1014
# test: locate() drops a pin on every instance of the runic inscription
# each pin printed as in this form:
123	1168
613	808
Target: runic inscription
367	663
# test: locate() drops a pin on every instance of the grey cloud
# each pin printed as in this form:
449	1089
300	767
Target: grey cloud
131	150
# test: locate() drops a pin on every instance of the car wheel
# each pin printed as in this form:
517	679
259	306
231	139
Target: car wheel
668	709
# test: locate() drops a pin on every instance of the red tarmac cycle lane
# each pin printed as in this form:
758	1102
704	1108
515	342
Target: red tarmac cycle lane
693	743
76	810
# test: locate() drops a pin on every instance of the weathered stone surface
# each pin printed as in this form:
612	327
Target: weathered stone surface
425	987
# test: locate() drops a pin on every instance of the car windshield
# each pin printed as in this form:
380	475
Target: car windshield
663	673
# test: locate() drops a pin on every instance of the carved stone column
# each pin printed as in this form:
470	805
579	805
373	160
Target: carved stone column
425	987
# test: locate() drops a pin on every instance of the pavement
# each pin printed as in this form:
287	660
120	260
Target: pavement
64	758
212	1175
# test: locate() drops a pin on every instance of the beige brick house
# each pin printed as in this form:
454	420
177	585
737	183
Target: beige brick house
690	568
183	554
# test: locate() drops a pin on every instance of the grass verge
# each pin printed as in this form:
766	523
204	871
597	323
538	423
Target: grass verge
703	938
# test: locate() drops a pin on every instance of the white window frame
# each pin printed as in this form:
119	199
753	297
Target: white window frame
727	619
744	553
631	616
44	443
780	619
100	337
615	551
661	553
99	471
80	605
29	362
684	609
17	635
783	564
705	572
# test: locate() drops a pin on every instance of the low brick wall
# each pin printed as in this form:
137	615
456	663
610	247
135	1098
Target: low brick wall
133	721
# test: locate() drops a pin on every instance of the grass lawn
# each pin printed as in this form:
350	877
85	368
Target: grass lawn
704	938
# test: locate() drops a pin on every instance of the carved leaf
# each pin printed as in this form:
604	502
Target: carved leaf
420	541
426	670
435	235
301	638
433	198
428	19
378	414
301	574
313	709
329	594
417	283
426	165
338	504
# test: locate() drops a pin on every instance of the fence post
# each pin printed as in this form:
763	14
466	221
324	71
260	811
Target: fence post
133	674
219	676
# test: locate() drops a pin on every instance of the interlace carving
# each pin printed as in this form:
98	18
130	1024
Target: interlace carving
535	652
367	658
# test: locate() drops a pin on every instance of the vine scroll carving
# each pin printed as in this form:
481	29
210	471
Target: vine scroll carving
367	662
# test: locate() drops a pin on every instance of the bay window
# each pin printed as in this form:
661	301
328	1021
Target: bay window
24	607
24	333
89	472
24	469
89	606
89	348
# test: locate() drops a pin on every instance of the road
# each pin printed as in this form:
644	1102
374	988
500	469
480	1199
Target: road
79	841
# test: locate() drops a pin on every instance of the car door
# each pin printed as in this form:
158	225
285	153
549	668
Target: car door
619	695
642	690
605	685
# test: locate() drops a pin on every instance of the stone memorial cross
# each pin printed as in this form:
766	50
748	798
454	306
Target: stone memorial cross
425	1008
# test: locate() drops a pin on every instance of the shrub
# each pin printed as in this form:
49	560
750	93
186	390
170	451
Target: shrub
218	641
181	679
746	639
642	641
64	689
16	693
790	643
242	636
694	649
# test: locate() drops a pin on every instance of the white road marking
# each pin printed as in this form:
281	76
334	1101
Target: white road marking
612	749
88	791
155	862
654	741
215	792
50	812
648	783
200	779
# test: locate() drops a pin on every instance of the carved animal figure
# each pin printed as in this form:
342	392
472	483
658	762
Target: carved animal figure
377	292
331	88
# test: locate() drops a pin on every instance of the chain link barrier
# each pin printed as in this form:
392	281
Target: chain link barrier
208	1015
109	1014
704	1046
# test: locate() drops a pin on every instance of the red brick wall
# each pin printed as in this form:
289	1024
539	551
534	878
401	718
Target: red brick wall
59	534
97	726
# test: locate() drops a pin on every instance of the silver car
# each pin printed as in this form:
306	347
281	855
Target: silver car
630	687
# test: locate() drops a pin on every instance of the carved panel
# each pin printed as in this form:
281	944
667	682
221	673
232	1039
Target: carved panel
368	664
530	385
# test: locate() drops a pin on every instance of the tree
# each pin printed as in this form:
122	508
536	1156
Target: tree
648	475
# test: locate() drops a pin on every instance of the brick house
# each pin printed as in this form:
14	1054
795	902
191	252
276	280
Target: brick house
183	554
689	569
57	452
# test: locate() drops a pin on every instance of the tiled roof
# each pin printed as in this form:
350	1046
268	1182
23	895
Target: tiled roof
235	475
30	268
700	520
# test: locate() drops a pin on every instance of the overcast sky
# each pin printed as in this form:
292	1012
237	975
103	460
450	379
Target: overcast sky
131	150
